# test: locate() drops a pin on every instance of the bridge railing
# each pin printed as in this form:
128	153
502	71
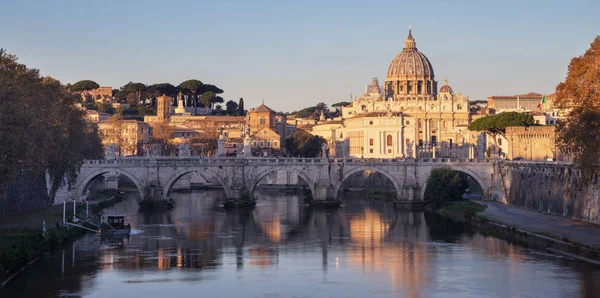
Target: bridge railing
233	161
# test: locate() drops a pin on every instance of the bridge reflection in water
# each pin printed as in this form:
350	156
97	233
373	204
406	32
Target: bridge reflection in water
366	248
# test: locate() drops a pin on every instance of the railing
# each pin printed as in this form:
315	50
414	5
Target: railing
183	161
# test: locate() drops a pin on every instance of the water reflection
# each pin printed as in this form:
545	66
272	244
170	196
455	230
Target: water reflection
366	248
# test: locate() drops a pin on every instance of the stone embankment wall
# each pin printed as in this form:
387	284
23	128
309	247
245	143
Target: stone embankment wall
26	192
551	188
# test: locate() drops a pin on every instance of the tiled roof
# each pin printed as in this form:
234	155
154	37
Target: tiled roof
261	109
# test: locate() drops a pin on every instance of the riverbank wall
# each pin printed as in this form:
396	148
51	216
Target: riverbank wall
556	189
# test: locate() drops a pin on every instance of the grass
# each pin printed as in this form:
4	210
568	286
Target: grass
463	210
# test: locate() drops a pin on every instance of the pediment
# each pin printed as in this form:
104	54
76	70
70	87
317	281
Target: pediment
413	111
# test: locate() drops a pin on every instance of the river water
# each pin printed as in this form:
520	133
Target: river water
282	249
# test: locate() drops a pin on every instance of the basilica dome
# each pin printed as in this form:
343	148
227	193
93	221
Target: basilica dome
410	62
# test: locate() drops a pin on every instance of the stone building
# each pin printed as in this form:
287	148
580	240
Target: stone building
129	135
95	116
100	93
522	102
408	117
267	130
532	143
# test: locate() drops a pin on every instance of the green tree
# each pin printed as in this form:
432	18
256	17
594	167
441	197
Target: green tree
496	125
135	89
40	127
303	144
84	85
231	107
206	99
241	111
580	95
444	185
341	104
192	87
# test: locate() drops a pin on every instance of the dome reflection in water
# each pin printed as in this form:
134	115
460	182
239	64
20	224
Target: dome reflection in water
281	248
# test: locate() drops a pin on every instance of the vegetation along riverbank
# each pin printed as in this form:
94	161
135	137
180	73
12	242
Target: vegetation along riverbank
23	241
443	196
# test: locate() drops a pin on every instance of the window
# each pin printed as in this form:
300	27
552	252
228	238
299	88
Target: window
371	150
499	142
262	120
537	121
433	140
371	142
445	124
407	122
371	122
459	107
420	143
389	140
262	143
275	144
389	150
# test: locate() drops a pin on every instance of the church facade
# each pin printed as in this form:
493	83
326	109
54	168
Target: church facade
406	117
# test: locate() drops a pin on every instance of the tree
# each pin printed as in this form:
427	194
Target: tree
341	104
303	144
192	87
162	134
113	132
40	127
133	88
241	111
159	89
206	99
84	85
206	143
232	107
444	185
580	93
496	124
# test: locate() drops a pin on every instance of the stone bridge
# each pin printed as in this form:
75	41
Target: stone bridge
156	176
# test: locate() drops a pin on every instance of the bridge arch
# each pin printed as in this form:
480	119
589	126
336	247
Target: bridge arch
201	172
82	186
379	170
482	184
261	175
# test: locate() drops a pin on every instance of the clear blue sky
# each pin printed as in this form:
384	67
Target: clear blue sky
295	54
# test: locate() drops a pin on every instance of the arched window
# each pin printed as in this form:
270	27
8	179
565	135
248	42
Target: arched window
262	121
389	140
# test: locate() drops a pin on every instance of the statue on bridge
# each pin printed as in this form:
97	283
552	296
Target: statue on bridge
184	150
323	150
111	151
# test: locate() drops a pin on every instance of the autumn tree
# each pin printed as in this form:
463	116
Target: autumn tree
162	134
580	95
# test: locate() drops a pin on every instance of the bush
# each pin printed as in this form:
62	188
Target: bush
444	185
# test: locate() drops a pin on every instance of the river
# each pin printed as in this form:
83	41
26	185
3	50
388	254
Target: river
282	249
